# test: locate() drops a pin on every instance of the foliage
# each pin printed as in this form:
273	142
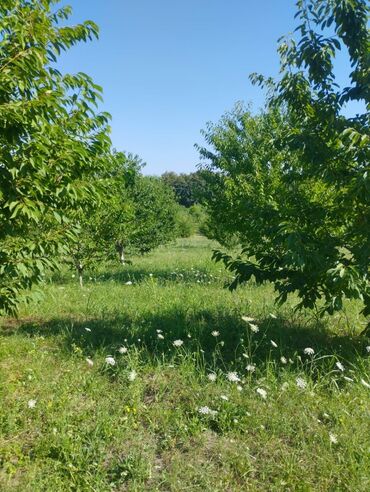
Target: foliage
185	222
135	215
294	183
52	142
188	188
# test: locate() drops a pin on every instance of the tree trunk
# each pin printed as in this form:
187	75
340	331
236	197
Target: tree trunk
121	252
79	269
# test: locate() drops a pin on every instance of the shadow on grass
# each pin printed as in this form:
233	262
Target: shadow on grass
106	335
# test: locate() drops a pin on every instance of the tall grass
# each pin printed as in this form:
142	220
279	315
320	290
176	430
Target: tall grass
97	396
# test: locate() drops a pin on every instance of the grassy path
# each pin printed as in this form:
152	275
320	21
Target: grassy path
221	409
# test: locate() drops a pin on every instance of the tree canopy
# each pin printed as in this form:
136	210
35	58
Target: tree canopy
293	183
52	141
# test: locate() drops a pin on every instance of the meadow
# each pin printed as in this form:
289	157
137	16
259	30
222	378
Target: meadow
154	377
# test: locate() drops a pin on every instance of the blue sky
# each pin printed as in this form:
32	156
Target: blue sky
169	66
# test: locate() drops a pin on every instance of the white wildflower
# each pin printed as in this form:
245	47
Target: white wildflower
132	375
340	366
177	343
215	333
274	344
31	403
301	383
246	356
309	351
129	282
367	385
273	316
333	438
233	377
367	348
283	360
159	331
110	361
212	376
207	411
247	319
239	387
262	393
224	397
90	362
160	336
87	329
254	328
284	386
123	350
251	367
222	343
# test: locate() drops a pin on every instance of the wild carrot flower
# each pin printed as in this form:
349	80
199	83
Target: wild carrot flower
160	336
123	350
333	438
207	411
178	343
254	328
262	393
309	351
247	319
233	377
212	376
132	375
301	383
110	361
31	403
283	360
251	367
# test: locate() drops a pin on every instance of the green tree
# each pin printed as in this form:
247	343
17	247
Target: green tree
294	184
52	142
135	215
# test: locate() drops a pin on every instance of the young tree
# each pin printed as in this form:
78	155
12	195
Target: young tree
52	142
296	180
136	214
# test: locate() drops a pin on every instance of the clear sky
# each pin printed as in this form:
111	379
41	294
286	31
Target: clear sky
169	66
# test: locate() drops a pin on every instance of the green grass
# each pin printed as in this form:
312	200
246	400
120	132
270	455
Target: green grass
98	428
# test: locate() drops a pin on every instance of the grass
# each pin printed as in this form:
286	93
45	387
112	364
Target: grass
155	421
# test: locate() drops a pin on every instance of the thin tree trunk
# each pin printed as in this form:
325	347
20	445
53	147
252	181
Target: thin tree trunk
79	269
121	252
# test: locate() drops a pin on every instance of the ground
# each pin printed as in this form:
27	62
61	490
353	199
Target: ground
198	398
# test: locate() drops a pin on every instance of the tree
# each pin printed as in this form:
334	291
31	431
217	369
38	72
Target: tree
294	183
136	214
52	142
188	188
